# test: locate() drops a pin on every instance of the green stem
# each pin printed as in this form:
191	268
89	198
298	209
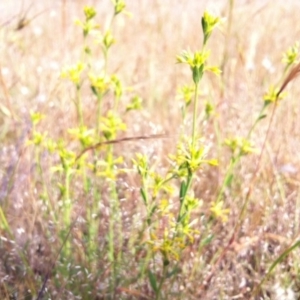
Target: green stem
229	172
114	225
4	224
164	275
46	197
98	114
190	173
67	199
227	37
260	115
66	214
183	197
195	114
235	160
105	53
79	106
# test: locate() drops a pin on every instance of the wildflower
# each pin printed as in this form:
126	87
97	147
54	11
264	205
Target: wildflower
218	211
119	6
99	84
74	73
240	144
89	12
209	22
290	57
273	95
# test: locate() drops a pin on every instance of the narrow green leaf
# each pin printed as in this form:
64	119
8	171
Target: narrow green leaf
88	185
153	209
207	240
182	189
153	281
94	90
281	257
196	75
262	117
144	195
229	180
175	271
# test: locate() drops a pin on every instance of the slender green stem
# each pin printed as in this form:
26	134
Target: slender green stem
45	189
164	275
245	205
98	114
79	106
195	114
240	219
260	116
227	37
229	172
67	209
236	159
115	240
189	178
182	200
105	53
4	223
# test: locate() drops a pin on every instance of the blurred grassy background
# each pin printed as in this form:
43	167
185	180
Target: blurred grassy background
38	38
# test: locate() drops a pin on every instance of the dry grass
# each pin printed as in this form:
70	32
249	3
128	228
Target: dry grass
231	266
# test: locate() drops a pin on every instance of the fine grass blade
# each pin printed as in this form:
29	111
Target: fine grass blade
281	257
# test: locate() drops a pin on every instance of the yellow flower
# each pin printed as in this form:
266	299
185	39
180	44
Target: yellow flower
73	73
218	211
